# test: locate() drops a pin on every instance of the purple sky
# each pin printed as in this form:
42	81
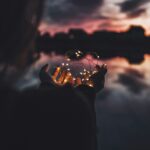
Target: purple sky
115	15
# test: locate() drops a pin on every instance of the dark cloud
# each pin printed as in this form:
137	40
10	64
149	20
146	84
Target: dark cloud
131	5
136	13
135	73
101	17
66	11
133	8
133	80
104	25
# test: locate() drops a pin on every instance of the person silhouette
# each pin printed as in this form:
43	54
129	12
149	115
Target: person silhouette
85	92
46	118
97	78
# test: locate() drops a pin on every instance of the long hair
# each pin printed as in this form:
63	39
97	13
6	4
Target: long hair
19	20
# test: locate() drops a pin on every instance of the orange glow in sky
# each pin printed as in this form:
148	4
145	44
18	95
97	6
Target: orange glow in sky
110	16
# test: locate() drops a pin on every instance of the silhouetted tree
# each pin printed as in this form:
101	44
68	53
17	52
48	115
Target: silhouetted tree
132	44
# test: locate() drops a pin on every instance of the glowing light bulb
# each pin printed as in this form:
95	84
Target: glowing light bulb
91	85
65	81
94	72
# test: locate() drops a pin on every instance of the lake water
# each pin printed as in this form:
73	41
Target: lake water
123	107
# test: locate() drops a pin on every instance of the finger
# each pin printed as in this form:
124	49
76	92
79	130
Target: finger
45	68
105	66
102	69
98	67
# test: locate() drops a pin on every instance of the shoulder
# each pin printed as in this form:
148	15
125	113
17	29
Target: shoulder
88	92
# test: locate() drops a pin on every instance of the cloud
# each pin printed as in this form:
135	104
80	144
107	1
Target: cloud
134	73
131	5
123	113
100	16
133	80
70	11
136	13
133	8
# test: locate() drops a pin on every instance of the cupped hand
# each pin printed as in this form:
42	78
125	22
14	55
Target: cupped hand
99	77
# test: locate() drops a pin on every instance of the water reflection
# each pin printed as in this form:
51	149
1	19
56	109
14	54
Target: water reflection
116	67
123	107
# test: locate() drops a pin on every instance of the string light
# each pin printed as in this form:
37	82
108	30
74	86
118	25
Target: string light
90	85
63	73
94	72
79	52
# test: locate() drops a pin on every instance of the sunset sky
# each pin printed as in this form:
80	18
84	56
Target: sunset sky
115	15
